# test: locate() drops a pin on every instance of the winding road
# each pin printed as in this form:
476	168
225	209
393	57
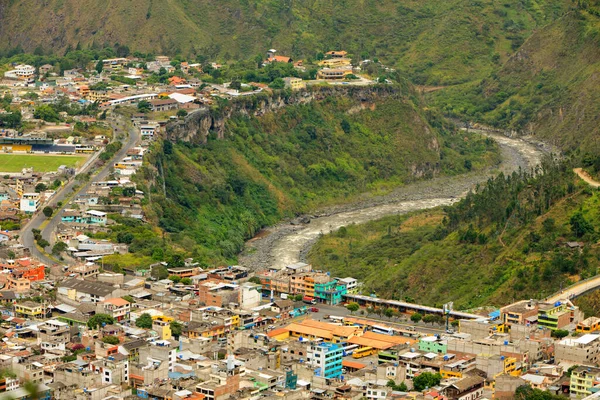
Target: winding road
285	244
66	191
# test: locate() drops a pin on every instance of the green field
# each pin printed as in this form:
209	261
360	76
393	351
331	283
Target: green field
40	163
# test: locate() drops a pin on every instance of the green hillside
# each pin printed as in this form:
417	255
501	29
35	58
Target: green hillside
503	243
437	42
216	196
550	87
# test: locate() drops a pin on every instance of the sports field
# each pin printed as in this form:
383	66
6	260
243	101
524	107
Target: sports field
39	162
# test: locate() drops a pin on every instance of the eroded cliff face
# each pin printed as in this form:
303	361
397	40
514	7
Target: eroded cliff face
196	127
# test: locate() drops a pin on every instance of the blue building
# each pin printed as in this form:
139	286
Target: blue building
327	359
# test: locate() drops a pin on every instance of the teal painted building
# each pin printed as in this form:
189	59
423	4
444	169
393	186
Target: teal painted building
330	292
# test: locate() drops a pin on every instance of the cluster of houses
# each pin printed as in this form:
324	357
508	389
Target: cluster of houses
220	334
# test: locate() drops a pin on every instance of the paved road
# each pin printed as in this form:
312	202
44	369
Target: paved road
588	179
36	221
575	290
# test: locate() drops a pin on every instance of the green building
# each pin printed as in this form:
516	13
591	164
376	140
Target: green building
433	344
330	292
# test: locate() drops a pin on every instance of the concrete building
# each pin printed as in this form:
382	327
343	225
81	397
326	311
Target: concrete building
581	350
116	307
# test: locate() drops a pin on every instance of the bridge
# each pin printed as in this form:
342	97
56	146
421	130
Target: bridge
405	307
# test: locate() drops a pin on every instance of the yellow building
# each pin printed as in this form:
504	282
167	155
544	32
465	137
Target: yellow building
162	326
335	63
294	83
333	74
29	309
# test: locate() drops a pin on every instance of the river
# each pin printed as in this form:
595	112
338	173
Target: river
288	243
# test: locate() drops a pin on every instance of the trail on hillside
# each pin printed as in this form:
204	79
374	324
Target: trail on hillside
586	177
288	243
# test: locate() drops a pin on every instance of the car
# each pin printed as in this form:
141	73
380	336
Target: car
313	309
271	327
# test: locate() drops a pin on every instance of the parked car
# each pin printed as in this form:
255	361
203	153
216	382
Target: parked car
313	309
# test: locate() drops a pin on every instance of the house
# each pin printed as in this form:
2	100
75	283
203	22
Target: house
470	387
335	63
282	307
294	83
175	80
116	307
30	202
337	54
583	379
333	74
148	131
282	59
164	104
45	69
96	217
93	291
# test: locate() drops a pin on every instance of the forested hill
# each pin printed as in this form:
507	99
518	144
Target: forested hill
436	42
210	198
506	241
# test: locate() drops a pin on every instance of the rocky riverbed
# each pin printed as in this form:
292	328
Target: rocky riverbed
290	242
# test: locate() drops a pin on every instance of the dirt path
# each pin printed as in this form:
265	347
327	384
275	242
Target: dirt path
286	243
586	177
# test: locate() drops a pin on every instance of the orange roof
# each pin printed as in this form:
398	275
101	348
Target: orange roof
306	330
280	59
117	301
277	332
352	364
376	344
387	338
345	331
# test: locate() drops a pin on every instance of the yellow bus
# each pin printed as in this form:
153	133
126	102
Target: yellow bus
363	352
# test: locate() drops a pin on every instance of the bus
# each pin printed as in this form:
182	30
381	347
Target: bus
349	349
363	352
383	330
335	318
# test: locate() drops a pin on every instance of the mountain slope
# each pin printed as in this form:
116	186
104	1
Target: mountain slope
549	88
437	42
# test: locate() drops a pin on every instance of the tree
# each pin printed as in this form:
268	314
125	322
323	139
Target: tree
111	339
468	165
48	211
560	333
99	66
43	243
181	113
579	225
255	279
426	380
144	321
389	312
40	187
345	125
46	113
278	83
526	392
416	317
99	320
429	318
59	247
144	106
125	237
186	281
352	307
176	327
175	278
402	387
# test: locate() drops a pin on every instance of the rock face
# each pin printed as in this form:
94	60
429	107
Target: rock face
198	125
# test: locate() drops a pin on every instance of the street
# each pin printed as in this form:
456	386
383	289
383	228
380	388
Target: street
66	191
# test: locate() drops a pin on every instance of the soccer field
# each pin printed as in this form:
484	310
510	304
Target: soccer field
40	162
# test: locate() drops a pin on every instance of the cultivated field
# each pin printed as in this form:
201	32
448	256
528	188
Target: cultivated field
39	162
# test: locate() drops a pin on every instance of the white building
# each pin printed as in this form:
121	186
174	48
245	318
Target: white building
148	131
30	202
21	71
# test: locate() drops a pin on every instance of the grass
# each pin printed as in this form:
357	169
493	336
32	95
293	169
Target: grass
40	163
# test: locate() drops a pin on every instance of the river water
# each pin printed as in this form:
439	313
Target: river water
285	243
